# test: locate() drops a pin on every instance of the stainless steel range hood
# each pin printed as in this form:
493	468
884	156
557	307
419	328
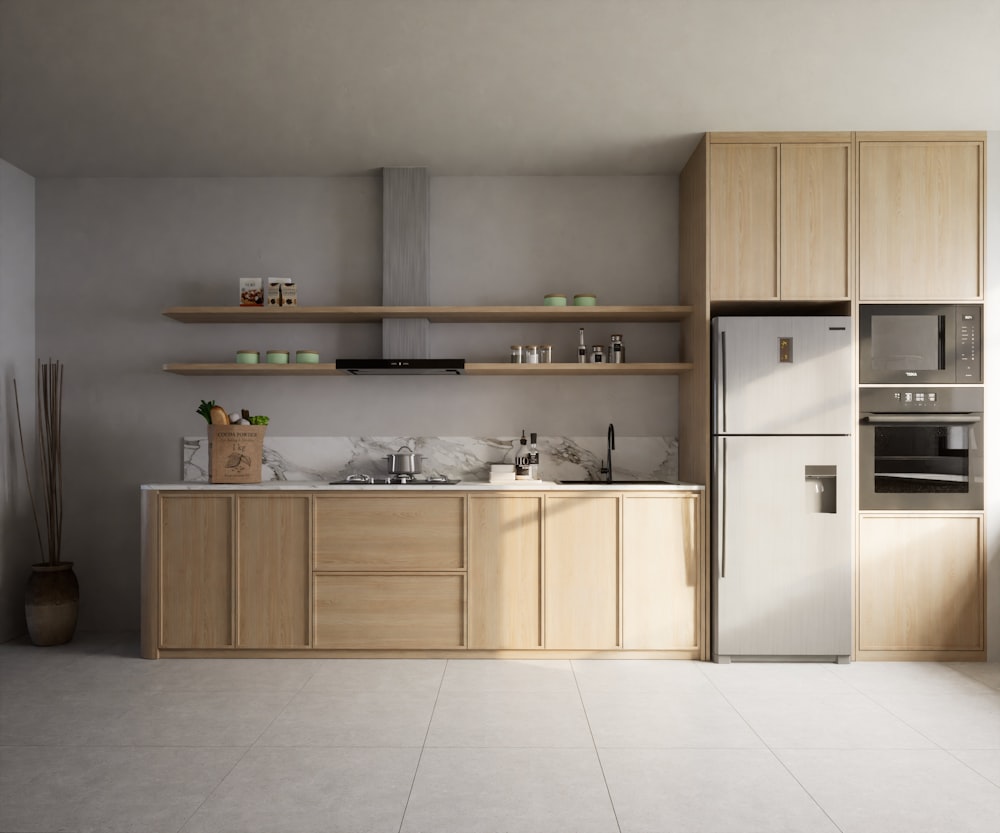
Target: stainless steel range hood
402	367
405	256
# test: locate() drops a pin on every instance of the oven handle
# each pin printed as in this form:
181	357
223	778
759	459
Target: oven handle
922	419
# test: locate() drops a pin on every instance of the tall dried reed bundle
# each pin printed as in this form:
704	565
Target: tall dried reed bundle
48	394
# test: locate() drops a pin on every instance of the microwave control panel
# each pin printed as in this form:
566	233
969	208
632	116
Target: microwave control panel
967	358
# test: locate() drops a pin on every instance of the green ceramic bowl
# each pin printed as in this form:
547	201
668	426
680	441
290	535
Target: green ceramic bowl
277	357
247	357
554	300
306	357
584	300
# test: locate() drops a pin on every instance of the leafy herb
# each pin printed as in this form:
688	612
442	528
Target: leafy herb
205	409
259	420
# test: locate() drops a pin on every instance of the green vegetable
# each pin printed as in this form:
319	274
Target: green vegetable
205	408
259	420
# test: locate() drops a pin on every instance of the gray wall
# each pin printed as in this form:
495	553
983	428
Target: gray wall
113	253
18	541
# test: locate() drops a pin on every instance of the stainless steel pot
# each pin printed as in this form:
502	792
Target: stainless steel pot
404	462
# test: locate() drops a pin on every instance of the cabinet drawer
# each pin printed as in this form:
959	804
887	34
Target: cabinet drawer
389	611
390	533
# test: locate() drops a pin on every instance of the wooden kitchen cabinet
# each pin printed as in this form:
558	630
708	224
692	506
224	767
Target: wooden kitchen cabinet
195	571
921	587
388	533
505	571
389	611
261	572
920	216
581	572
779	217
389	571
274	575
661	571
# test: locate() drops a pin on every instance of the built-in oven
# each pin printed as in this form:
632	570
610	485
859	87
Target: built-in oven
921	449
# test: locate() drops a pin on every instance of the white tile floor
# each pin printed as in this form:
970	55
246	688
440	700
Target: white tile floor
94	739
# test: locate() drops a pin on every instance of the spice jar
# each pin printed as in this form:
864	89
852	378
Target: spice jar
617	350
531	354
545	354
516	354
597	354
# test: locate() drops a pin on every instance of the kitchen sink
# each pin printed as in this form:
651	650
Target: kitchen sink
615	483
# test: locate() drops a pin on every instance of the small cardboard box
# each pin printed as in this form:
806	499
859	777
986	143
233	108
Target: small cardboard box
235	453
251	292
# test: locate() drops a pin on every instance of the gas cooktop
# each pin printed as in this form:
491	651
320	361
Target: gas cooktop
395	480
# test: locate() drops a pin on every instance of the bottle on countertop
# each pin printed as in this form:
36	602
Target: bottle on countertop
522	468
533	457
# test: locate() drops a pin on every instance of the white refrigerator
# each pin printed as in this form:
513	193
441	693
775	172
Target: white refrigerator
782	419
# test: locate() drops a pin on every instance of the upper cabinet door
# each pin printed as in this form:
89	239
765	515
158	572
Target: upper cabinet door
920	220
815	226
743	222
780	220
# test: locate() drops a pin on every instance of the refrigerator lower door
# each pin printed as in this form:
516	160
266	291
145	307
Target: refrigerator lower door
781	570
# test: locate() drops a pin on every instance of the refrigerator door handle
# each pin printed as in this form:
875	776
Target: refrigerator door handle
721	479
722	377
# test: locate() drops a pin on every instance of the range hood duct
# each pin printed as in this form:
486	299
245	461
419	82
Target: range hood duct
405	258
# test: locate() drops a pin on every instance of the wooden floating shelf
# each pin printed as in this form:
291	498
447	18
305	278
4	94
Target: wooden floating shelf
438	315
471	369
574	369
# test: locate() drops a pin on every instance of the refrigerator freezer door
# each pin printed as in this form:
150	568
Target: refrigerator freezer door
782	375
782	547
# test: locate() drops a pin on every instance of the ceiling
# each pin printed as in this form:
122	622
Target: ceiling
340	87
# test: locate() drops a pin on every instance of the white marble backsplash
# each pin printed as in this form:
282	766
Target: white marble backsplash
457	458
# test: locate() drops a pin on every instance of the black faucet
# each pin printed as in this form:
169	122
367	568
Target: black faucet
606	469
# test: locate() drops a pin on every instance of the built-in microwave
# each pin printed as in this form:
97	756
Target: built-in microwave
935	344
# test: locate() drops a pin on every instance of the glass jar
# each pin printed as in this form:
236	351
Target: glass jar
545	354
617	350
531	354
516	354
597	354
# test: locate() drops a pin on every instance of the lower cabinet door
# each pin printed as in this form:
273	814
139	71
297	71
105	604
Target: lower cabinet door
581	573
273	565
505	565
389	611
660	580
196	571
921	583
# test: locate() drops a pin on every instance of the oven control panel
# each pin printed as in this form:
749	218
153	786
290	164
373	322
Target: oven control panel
936	400
916	398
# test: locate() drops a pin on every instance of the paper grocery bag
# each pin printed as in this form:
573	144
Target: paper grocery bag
235	453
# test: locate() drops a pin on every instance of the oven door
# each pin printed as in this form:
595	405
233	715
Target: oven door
921	462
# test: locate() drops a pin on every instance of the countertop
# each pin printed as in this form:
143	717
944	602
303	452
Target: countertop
464	486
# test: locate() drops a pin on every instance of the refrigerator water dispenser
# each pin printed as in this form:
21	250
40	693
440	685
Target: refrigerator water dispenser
821	489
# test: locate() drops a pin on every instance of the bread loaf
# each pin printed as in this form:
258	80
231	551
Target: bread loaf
218	415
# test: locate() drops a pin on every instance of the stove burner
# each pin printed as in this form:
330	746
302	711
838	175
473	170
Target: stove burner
394	480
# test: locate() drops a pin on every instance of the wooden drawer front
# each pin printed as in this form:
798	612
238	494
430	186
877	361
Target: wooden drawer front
273	572
390	533
389	611
196	570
